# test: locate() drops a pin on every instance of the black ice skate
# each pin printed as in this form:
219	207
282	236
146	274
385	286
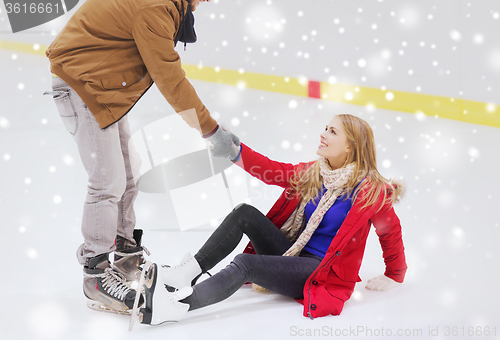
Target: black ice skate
129	258
106	289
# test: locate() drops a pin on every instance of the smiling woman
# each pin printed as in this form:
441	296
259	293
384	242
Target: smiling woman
310	244
346	140
334	146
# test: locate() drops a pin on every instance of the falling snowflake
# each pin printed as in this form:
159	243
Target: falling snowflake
32	253
455	35
478	39
235	122
68	160
458	232
490	107
332	80
421	117
4	123
297	147
473	152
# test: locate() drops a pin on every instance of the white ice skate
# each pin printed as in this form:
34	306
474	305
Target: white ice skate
181	275
161	305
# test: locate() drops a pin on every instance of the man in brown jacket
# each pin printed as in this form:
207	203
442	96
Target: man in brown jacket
105	58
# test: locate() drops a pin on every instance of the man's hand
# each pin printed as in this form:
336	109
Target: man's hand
225	143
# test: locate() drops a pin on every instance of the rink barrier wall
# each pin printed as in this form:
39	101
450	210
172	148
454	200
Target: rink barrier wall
435	106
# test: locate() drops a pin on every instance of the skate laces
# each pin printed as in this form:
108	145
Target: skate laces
113	283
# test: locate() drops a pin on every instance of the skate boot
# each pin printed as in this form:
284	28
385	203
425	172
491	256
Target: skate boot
129	258
106	289
161	305
182	275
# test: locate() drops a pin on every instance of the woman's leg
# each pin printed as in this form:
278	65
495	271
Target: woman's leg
285	275
282	274
244	219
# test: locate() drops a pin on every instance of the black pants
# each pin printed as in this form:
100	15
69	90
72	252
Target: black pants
281	274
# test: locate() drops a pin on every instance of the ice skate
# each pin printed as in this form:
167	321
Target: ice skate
161	305
106	289
182	275
129	258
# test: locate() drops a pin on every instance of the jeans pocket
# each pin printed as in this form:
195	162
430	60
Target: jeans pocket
66	109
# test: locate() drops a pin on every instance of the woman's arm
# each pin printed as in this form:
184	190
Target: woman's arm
269	171
388	228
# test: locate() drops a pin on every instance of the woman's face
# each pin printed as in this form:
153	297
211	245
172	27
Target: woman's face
333	144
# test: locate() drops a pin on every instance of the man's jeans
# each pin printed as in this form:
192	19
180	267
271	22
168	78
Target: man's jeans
285	275
111	164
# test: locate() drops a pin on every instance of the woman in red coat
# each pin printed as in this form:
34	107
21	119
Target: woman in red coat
310	244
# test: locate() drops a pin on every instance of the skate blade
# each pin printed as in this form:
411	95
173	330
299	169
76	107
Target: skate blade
95	305
135	310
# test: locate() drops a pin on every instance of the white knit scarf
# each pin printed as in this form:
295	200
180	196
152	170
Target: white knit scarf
334	181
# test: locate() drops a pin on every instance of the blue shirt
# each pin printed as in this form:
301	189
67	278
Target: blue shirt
322	237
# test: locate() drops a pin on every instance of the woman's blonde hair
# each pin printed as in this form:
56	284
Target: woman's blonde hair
307	183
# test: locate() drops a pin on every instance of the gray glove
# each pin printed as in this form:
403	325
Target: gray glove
224	143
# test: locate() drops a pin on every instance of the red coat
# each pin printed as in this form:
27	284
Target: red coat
332	283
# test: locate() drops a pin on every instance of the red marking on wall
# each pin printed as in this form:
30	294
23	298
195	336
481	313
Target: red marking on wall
314	89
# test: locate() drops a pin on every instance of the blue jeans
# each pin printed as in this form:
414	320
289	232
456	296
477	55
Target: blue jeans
112	166
281	274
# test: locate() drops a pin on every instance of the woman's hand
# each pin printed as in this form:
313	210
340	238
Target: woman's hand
381	283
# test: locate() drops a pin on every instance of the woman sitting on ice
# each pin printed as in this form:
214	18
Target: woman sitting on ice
310	244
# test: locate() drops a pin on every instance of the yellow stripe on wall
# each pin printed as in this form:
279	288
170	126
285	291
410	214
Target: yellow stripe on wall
444	107
435	106
257	81
23	47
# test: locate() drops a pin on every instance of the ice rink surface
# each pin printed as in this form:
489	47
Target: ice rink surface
451	229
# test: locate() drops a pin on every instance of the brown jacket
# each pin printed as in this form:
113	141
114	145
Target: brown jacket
110	52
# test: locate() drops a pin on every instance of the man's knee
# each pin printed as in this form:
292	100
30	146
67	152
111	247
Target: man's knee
112	190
